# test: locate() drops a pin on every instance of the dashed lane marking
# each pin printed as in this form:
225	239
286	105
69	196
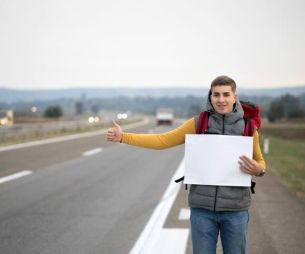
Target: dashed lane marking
184	214
93	151
171	240
14	176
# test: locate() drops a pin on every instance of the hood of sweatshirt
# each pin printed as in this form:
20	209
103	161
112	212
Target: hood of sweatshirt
237	112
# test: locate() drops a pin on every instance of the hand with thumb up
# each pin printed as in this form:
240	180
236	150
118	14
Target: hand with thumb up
114	134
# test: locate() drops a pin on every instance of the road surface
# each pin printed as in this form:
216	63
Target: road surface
85	195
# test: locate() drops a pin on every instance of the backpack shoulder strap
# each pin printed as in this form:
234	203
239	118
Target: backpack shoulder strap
253	187
203	122
249	127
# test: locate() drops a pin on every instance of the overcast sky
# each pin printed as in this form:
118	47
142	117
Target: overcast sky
157	43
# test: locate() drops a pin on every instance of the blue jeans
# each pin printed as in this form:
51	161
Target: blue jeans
206	225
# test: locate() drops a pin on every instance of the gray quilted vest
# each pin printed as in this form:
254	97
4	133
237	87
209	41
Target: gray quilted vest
222	198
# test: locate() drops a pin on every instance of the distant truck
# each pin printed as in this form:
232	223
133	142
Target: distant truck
165	116
6	117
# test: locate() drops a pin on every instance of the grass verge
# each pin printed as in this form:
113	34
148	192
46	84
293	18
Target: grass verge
286	159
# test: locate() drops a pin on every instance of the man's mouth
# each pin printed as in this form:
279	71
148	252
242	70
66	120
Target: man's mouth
221	106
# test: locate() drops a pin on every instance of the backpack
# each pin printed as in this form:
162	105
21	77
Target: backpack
252	122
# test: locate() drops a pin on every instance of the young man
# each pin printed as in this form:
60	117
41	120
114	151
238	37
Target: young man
214	209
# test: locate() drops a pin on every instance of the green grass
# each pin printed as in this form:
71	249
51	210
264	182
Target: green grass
286	159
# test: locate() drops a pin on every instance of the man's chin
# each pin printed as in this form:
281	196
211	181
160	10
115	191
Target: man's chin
222	111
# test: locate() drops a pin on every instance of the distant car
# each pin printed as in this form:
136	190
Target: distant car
165	116
122	116
93	119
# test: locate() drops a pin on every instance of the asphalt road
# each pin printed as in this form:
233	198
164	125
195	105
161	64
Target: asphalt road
81	204
101	203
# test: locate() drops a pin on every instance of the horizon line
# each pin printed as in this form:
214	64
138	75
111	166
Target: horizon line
149	87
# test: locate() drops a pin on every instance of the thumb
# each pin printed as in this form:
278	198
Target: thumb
115	123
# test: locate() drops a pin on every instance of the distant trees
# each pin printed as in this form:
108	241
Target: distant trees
79	108
276	110
287	106
95	109
194	110
53	112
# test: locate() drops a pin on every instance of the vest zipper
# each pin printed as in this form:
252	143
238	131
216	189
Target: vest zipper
223	132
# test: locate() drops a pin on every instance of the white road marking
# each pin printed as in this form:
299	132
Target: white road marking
171	241
93	151
184	214
14	176
149	240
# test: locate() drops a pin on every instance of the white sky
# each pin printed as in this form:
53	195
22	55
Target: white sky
157	43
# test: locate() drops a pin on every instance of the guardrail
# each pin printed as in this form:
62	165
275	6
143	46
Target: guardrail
22	132
41	128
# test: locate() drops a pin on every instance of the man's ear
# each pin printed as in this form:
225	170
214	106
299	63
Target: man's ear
235	98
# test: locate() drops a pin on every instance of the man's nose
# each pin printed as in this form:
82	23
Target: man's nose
221	98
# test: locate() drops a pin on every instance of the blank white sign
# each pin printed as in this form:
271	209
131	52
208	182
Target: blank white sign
213	159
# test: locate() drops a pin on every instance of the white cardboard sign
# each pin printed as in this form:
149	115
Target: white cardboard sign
213	159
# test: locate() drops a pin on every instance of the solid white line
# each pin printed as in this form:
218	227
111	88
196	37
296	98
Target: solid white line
14	176
149	236
93	151
184	214
69	137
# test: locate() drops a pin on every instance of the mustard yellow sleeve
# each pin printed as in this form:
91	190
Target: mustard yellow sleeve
163	140
257	153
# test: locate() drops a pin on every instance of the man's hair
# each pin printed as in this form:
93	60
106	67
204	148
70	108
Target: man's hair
223	81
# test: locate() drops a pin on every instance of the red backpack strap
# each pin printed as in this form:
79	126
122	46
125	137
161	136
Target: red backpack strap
203	121
249	127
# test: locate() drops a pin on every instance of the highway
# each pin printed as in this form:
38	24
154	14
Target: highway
84	195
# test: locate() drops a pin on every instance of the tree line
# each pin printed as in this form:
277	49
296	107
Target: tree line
286	107
275	109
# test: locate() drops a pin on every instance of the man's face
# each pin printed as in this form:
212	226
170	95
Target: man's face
223	99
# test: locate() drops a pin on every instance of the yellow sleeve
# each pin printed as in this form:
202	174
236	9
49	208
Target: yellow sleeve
257	153
163	140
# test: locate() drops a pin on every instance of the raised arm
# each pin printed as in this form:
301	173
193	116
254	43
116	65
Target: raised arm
153	141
